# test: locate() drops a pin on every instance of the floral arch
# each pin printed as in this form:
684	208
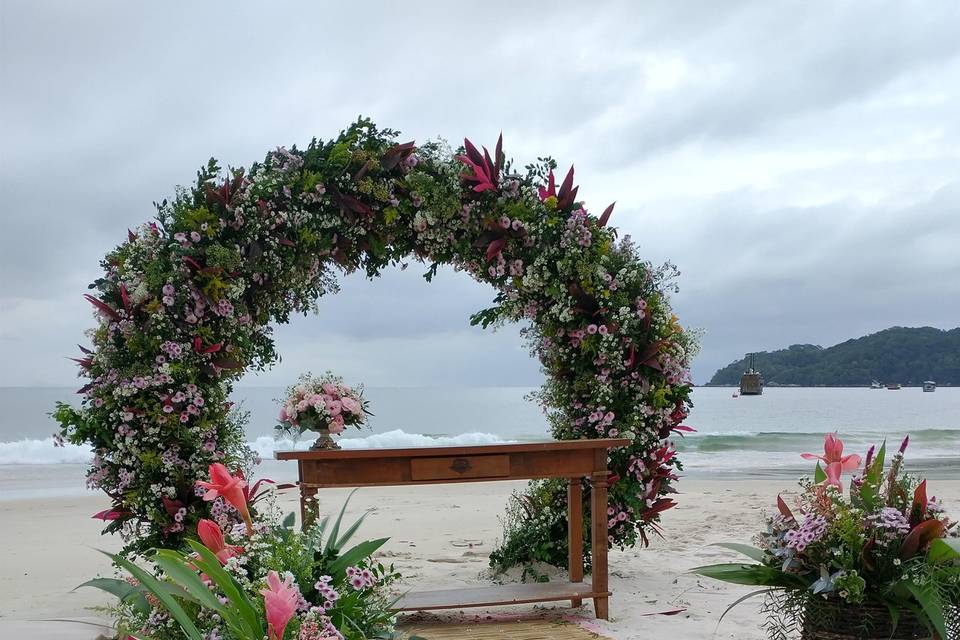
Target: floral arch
185	305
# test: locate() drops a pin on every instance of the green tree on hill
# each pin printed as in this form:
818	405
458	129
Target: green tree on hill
904	355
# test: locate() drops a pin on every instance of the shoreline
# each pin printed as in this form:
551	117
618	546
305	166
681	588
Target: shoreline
65	481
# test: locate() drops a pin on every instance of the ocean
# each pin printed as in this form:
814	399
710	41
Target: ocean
748	436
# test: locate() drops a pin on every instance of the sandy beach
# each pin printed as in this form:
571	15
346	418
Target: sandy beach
47	547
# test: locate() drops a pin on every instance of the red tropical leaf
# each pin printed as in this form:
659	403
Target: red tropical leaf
632	358
491	166
567	193
658	507
784	509
102	306
494	248
110	514
86	363
920	536
131	236
472	153
919	508
550	191
124	297
354	205
394	155
682	428
226	362
498	155
172	506
85	350
605	216
285	242
193	263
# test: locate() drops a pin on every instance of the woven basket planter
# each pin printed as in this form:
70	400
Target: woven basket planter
832	621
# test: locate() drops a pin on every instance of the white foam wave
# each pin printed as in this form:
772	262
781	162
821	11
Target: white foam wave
44	452
398	438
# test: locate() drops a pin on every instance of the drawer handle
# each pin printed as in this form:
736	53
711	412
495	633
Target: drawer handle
460	465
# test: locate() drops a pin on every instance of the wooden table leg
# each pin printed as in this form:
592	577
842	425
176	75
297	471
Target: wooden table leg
575	532
598	539
308	510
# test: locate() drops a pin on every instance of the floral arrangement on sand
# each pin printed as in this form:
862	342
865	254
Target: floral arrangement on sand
323	404
880	559
250	578
185	305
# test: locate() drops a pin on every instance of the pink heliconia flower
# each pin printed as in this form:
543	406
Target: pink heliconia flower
223	483
280	603
835	463
212	538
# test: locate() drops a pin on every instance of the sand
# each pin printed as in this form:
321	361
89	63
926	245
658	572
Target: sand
49	546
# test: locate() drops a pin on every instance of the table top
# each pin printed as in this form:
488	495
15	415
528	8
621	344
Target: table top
460	450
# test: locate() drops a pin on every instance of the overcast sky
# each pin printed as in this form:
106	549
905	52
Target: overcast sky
798	161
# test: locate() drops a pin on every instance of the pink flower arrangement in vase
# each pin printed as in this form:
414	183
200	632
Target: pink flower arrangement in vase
323	404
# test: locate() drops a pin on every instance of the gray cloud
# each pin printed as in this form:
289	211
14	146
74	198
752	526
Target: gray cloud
798	162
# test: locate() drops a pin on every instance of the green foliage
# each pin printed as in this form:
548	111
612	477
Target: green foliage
201	594
857	565
535	531
903	355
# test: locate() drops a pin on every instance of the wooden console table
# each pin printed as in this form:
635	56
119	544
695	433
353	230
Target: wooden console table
572	459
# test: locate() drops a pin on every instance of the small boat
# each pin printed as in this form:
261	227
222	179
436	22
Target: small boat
929	386
876	385
736	395
751	382
893	386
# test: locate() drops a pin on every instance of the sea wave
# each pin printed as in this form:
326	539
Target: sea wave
265	446
26	451
719	442
44	451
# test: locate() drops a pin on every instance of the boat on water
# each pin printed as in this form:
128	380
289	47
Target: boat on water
929	386
751	382
876	385
893	386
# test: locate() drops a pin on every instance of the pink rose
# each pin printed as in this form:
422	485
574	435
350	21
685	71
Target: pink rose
334	407
336	425
329	388
351	405
283	415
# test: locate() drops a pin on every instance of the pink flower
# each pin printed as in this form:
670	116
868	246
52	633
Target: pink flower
280	601
222	483
329	388
334	407
212	538
834	460
351	405
336	424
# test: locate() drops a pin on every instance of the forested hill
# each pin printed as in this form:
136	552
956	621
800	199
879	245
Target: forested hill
901	354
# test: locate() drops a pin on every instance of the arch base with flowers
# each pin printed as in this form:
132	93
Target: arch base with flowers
185	306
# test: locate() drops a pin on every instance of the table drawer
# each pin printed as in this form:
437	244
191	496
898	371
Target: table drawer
490	466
